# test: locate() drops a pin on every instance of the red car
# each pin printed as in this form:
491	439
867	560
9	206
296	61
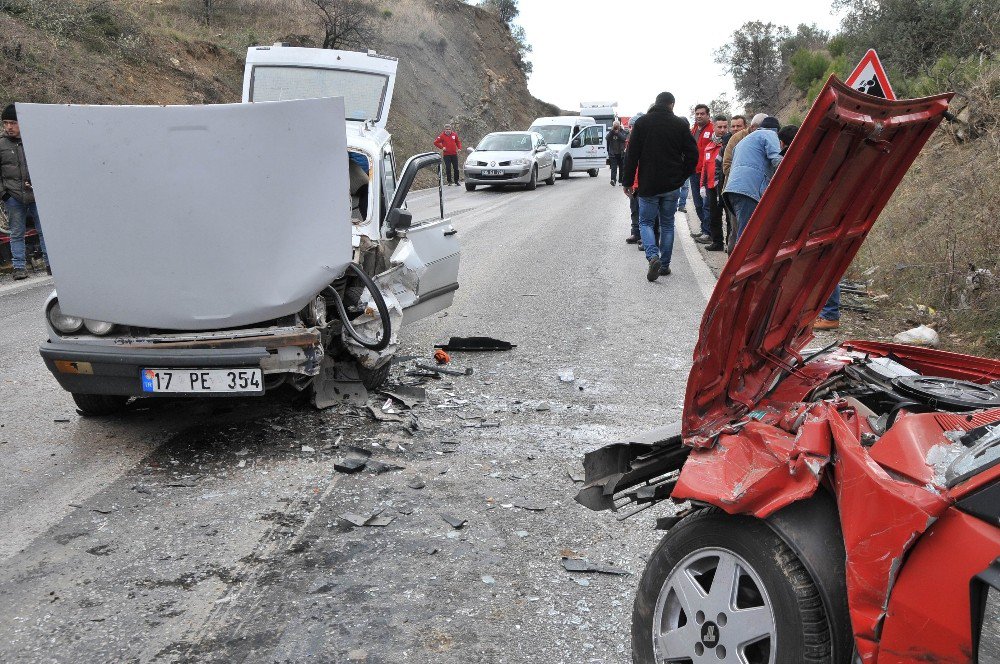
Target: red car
843	505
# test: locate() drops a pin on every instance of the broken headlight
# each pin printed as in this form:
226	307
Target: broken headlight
61	322
98	327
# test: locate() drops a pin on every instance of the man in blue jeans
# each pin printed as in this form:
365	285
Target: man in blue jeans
16	192
703	130
664	154
829	318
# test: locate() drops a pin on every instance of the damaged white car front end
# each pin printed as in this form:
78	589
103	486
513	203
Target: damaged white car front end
229	249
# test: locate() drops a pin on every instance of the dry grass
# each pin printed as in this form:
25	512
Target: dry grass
938	241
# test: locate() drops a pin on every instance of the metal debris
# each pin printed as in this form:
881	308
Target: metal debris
382	416
447	372
476	344
530	505
408	396
454	521
350	465
584	565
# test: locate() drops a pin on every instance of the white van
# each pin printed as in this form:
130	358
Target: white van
577	143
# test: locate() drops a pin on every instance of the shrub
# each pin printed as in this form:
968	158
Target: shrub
807	68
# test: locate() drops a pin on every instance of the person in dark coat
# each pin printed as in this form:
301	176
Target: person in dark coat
616	140
16	192
663	151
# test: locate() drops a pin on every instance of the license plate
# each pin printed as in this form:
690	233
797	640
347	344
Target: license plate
202	381
492	172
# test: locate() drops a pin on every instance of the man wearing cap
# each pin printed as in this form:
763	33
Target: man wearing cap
754	161
16	191
664	153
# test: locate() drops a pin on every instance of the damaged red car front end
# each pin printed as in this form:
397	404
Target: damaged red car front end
864	477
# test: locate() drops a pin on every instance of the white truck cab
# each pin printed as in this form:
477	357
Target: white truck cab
603	112
577	143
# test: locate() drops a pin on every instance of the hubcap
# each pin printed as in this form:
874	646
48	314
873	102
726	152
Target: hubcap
713	607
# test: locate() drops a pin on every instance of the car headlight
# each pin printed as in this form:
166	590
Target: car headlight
63	323
98	327
520	162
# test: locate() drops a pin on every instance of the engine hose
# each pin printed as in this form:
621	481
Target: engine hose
383	311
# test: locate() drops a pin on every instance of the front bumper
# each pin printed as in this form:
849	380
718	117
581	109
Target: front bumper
89	368
520	175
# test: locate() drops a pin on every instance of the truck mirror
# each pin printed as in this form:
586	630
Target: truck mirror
398	220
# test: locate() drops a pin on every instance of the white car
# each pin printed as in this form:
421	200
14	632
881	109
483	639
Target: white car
510	157
577	141
240	252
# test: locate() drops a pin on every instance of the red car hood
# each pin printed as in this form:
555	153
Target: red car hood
846	160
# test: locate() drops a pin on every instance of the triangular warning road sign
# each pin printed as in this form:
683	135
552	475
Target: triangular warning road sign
869	77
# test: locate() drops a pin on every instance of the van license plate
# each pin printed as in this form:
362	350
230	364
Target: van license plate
203	381
492	172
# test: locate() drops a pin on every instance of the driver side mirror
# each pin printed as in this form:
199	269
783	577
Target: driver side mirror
542	148
471	150
577	142
398	220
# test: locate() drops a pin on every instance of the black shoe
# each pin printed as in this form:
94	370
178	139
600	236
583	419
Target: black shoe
682	209
631	239
715	246
664	270
703	239
697	235
613	183
20	273
654	270
640	247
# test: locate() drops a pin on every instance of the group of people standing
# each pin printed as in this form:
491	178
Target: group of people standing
725	163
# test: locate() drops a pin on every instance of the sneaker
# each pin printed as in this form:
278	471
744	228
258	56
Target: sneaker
613	183
703	239
631	239
664	270
825	324
654	270
20	273
682	209
697	234
715	246
640	247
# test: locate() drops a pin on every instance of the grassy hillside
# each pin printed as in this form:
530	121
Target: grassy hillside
458	63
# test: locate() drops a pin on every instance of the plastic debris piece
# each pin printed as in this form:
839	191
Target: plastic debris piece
447	372
576	474
521	533
381	416
441	357
454	521
488	580
350	465
918	336
475	344
407	395
307	448
567	376
584	565
530	505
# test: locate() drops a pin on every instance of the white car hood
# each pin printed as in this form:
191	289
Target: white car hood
191	217
500	155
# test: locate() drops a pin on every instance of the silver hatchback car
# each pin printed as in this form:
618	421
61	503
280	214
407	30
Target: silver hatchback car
510	157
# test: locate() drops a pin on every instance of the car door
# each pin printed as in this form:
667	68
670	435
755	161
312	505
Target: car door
423	272
542	157
595	152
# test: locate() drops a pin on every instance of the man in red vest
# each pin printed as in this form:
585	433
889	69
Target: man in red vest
449	143
711	177
702	132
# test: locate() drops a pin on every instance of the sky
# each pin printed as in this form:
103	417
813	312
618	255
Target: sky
629	52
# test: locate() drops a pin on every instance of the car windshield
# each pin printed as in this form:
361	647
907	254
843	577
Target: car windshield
505	143
363	93
553	134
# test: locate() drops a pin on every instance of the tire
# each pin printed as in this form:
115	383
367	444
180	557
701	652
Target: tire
99	405
567	166
373	379
778	614
470	187
593	172
552	176
533	182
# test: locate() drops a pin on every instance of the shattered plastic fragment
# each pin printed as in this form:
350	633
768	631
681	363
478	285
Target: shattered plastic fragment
475	344
454	521
584	565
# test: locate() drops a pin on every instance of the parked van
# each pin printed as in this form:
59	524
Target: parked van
576	141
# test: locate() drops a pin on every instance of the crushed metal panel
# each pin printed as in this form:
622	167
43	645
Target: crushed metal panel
191	217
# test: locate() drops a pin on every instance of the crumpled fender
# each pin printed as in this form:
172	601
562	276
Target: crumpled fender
370	324
769	464
762	467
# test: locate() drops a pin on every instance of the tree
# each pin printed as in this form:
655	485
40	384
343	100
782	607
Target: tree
506	9
808	37
911	35
523	48
753	58
346	23
721	105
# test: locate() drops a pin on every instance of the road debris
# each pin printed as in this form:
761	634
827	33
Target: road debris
475	344
350	465
584	565
567	376
918	336
382	416
441	357
488	580
447	372
454	521
380	467
417	483
373	520
406	395
530	505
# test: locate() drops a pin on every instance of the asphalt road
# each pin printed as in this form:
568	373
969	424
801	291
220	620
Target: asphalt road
212	531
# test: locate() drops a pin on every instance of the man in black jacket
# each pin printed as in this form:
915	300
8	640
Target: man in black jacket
665	154
16	191
616	139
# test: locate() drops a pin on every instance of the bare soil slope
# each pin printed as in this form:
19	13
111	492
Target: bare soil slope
458	63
